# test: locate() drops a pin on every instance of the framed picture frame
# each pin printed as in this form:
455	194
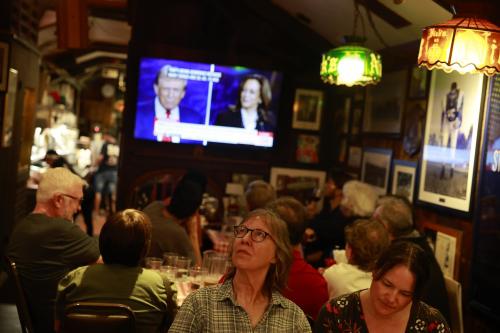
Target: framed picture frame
414	126
450	140
7	130
342	116
307	108
403	178
307	148
417	88
384	104
446	243
354	157
4	65
298	183
376	167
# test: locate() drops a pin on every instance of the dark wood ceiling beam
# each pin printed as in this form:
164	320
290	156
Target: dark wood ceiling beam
385	13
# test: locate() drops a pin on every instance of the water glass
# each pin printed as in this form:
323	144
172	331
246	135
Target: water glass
196	277
168	272
183	264
153	262
170	258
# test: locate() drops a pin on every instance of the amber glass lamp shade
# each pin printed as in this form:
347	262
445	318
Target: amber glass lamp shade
465	45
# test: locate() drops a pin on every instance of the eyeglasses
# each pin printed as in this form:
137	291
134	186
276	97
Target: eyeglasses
257	235
80	200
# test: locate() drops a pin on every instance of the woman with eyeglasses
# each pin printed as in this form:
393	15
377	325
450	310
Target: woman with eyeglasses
249	299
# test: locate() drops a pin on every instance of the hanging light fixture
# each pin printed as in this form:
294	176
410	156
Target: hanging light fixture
462	44
352	64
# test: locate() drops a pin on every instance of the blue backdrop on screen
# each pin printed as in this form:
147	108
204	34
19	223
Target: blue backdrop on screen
210	90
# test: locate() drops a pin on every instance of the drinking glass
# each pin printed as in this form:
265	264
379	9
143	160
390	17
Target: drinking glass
170	258
215	264
153	262
196	277
183	264
169	272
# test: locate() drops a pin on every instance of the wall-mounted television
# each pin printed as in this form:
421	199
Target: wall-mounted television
197	103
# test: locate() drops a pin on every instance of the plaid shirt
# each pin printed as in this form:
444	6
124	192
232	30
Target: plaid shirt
214	309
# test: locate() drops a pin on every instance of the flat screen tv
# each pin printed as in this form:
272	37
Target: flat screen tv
197	103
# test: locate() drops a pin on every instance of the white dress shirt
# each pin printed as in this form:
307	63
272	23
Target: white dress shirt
249	119
345	278
161	112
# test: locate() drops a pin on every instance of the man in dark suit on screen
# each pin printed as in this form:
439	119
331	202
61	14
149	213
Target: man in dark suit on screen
169	90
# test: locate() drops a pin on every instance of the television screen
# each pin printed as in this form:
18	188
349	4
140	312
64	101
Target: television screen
197	103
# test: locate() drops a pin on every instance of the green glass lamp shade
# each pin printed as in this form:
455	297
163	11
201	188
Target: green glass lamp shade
351	65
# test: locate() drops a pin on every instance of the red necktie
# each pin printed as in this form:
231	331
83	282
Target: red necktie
168	114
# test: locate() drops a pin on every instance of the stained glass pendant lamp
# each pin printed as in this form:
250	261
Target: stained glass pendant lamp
462	44
352	63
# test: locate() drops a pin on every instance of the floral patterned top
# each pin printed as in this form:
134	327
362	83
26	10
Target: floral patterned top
344	314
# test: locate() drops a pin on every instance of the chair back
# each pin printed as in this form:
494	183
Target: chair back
454	291
21	302
95	317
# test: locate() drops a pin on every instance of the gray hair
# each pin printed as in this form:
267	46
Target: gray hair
396	214
359	197
258	194
57	180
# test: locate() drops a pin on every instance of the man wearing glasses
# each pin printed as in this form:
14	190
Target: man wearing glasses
46	245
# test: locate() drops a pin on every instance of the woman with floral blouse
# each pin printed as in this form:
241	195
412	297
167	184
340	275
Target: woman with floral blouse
391	304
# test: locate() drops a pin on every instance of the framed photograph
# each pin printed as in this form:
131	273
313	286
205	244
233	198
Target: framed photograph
343	116
448	159
357	113
354	157
418	82
446	243
297	183
342	150
4	65
307	109
403	178
307	148
385	103
414	126
375	168
9	110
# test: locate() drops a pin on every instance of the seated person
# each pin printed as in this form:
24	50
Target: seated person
249	300
46	244
252	109
174	225
124	242
312	298
393	302
396	213
326	229
258	194
365	241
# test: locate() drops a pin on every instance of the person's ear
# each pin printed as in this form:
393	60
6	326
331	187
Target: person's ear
155	87
57	199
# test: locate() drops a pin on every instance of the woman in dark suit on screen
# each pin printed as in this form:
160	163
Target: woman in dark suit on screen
252	108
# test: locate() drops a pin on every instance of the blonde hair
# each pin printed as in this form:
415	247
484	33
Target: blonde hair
57	180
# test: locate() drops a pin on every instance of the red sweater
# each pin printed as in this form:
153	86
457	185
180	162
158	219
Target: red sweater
306	286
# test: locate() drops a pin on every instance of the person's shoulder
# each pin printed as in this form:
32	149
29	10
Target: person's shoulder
74	275
427	318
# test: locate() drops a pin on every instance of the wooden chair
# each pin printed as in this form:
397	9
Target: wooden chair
454	291
95	317
21	302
